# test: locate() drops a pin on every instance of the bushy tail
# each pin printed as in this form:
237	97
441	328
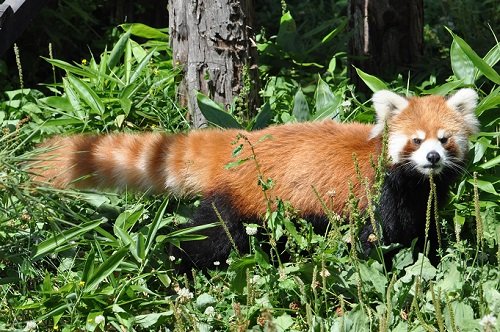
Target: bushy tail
106	161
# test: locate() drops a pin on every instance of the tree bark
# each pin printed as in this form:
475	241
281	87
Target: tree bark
213	41
386	36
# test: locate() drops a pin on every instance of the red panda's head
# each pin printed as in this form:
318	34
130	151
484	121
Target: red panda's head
426	133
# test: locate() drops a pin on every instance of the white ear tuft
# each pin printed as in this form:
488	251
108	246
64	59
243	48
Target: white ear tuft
386	104
464	101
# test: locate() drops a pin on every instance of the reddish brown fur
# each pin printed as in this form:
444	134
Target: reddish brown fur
296	157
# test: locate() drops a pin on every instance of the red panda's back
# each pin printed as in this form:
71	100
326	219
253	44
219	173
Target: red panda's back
298	159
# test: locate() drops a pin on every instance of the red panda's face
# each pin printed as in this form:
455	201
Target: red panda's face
427	134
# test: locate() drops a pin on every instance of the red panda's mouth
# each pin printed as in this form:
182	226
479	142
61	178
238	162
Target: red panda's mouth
432	166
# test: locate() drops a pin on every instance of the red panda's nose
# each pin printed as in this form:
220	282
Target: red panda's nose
433	157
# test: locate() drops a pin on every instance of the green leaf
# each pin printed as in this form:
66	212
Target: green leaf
186	234
144	62
128	218
491	101
372	276
491	58
444	89
54	244
204	300
300	106
106	268
87	94
462	66
154	227
491	163
261	257
375	84
485	186
283	322
480	64
463	317
54	312
140	247
117	51
264	117
287	37
88	269
91	323
480	148
214	113
57	102
148	320
71	68
62	122
240	266
72	97
144	31
326	103
127	60
422	267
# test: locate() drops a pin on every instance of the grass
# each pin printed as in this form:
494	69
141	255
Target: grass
94	261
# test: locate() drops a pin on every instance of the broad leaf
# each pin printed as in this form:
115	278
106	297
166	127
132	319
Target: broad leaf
117	51
481	65
55	243
87	94
375	84
300	107
106	268
214	113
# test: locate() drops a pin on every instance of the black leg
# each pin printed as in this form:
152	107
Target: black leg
217	246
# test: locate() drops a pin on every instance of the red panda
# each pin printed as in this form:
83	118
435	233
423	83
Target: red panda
310	164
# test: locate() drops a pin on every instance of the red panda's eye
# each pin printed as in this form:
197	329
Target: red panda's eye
417	141
443	140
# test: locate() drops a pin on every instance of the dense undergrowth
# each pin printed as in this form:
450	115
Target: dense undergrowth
75	261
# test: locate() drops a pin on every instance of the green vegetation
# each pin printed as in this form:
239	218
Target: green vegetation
92	261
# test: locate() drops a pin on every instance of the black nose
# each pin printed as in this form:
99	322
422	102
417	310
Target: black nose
433	157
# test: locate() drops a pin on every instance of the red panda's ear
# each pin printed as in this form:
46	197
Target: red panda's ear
464	101
386	104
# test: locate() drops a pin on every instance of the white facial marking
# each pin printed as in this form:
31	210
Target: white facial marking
396	144
420	134
441	133
463	145
419	157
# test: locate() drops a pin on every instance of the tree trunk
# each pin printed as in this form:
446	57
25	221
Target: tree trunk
387	36
212	40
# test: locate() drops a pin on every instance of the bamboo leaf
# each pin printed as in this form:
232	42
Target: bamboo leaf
88	269
300	106
264	117
106	268
463	68
481	65
375	84
144	62
87	95
154	227
71	68
117	51
214	113
144	31
55	243
326	103
491	163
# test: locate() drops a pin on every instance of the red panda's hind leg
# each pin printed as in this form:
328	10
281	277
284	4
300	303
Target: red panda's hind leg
215	249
